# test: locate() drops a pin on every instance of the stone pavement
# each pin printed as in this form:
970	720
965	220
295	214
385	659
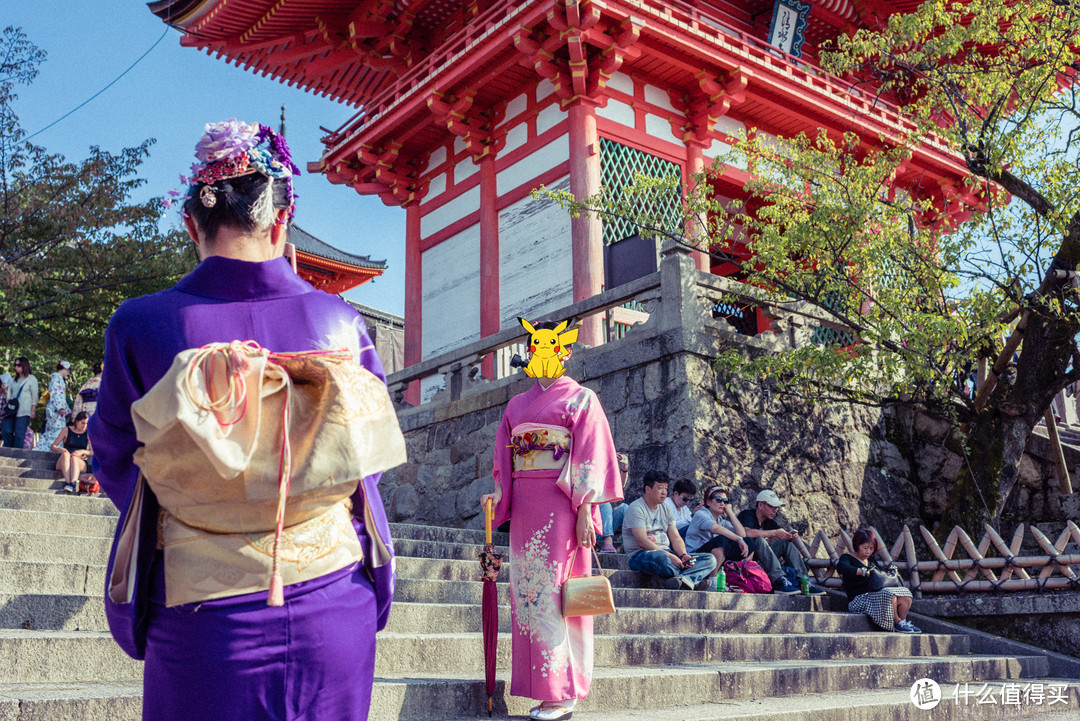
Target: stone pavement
664	655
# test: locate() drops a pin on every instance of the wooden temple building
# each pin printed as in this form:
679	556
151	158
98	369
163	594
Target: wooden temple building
465	106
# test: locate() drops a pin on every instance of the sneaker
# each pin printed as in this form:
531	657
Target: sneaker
906	626
687	583
608	548
815	591
69	488
784	587
706	584
671	584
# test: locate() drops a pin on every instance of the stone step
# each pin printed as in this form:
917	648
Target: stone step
449	696
455	617
441	534
54	484
83	701
53	612
63	656
956	702
8	463
44	577
27	454
412	590
92	701
46	655
422	654
79	525
57	503
45	547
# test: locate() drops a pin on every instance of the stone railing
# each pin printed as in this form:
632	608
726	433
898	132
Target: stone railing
1004	571
678	296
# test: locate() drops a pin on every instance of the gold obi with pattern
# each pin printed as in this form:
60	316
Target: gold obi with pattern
253	456
539	447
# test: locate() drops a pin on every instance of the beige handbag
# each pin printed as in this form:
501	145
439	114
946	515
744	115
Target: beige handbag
586	595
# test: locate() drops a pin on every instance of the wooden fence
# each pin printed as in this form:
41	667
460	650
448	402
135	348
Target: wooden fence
990	565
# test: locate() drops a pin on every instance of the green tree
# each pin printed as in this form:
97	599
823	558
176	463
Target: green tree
925	284
73	244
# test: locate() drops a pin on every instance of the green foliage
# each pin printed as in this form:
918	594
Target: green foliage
848	226
73	245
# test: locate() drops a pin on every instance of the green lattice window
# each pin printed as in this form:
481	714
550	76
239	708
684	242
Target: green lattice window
831	337
618	165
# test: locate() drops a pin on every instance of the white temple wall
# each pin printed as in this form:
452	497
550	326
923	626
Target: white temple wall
535	266
451	301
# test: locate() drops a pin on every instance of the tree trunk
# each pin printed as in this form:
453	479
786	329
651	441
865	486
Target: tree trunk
999	434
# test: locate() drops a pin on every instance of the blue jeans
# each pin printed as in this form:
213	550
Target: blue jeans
657	563
14	429
611	519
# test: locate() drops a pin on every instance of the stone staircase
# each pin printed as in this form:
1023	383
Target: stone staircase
691	656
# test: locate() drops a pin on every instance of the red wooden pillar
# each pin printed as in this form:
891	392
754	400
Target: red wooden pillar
489	259
414	298
695	164
586	231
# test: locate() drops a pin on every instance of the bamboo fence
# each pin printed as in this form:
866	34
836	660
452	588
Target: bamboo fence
1003	570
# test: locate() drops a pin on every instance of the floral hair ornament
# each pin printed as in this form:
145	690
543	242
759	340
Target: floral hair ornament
232	149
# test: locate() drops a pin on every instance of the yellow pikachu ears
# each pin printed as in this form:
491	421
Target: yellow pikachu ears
569	337
526	325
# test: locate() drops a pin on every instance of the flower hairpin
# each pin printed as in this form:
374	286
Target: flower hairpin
232	149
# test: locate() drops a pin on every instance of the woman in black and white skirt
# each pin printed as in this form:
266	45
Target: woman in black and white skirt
887	607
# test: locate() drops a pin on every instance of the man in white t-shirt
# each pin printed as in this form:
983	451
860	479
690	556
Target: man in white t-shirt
654	545
681	503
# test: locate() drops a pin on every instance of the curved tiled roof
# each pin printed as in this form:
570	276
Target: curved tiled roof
308	243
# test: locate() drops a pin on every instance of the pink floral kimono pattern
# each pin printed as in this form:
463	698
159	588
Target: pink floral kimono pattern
552	655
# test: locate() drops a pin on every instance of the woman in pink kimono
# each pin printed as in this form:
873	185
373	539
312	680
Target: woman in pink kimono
554	461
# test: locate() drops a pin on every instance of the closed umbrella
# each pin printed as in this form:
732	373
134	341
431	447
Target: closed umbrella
490	561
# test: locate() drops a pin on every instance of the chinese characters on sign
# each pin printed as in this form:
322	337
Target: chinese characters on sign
1012	694
788	26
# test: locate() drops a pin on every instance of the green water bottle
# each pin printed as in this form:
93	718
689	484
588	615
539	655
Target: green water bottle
804	585
721	580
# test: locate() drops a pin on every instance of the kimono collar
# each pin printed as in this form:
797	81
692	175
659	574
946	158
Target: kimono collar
234	280
560	383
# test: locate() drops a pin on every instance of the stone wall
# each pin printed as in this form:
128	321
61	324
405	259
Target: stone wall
838	466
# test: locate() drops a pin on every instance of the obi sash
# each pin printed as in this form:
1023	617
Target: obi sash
253	455
201	565
537	447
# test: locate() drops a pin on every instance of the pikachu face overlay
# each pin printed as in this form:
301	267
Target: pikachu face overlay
548	349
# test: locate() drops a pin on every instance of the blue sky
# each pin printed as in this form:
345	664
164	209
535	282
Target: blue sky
169	96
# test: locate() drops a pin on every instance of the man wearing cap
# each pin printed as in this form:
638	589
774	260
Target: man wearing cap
760	522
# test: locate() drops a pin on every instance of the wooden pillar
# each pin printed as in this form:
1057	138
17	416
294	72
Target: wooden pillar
489	260
695	165
414	298
586	231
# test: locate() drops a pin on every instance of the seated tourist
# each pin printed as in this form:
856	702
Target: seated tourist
74	448
887	607
716	529
655	546
611	514
759	523
681	503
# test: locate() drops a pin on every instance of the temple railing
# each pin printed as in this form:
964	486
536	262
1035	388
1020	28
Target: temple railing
990	566
676	296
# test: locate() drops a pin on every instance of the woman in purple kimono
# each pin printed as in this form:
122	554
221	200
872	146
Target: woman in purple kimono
236	657
554	462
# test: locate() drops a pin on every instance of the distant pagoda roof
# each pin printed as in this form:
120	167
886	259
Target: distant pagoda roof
329	268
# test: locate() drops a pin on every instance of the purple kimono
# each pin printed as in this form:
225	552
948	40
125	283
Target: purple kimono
544	480
238	658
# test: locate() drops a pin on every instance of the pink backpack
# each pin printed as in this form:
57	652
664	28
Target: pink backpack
748	576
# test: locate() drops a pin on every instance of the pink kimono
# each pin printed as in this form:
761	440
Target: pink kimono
553	452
